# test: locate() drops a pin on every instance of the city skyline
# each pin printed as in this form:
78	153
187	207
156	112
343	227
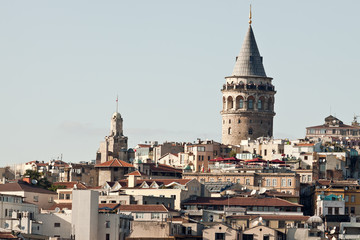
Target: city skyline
64	64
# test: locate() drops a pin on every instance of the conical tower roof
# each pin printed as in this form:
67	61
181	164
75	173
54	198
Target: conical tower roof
249	61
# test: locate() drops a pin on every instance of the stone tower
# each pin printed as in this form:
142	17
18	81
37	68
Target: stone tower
115	145
248	97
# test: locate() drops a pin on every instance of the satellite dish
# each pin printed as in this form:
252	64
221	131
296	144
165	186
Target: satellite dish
33	181
253	192
57	209
262	190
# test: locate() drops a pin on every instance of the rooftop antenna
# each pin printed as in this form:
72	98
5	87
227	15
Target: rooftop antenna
250	21
117	103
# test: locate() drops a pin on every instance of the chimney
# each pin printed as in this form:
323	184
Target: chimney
131	181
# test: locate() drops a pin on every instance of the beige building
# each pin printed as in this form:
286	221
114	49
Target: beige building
253	178
43	198
178	189
113	170
198	154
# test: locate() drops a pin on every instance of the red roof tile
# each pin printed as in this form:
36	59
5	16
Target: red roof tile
23	186
7	235
143	208
136	173
115	163
69	185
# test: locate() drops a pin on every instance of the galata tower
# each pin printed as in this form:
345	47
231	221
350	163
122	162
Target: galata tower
248	96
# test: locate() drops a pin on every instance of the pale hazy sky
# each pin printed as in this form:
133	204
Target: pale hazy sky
64	62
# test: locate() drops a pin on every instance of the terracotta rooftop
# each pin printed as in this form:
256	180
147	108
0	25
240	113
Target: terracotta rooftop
143	145
115	163
106	207
136	173
69	185
23	186
143	208
163	168
61	206
304	145
7	235
243	201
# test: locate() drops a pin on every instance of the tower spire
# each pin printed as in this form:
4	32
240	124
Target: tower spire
250	16
117	103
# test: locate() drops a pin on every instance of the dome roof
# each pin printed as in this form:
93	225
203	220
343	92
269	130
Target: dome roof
116	115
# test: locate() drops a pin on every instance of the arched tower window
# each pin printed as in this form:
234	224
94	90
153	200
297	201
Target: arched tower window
250	131
250	103
270	104
224	103
239	102
230	103
229	130
260	103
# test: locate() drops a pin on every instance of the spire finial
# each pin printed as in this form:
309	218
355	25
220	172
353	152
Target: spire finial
117	103
250	21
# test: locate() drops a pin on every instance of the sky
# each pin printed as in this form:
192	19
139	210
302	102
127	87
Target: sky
64	62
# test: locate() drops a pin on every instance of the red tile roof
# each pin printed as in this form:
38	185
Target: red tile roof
23	186
163	168
107	207
7	235
143	208
243	201
69	185
115	163
143	145
136	173
61	206
304	145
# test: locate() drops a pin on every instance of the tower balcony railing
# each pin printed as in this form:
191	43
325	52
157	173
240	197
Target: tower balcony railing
261	87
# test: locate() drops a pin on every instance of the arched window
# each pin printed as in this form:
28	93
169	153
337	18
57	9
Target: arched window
229	130
250	103
260	103
241	103
269	106
250	131
230	103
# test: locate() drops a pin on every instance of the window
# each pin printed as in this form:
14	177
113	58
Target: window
6	212
330	211
250	104
56	224
51	199
67	196
274	182
229	120
309	178
61	196
247	181
188	231
139	215
346	210
155	215
352	210
346	198
267	182
265	152
336	211
173	196
281	224
248	236
259	104
229	131
250	131
219	236
36	198
352	198
241	103
107	236
289	182
239	121
283	182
